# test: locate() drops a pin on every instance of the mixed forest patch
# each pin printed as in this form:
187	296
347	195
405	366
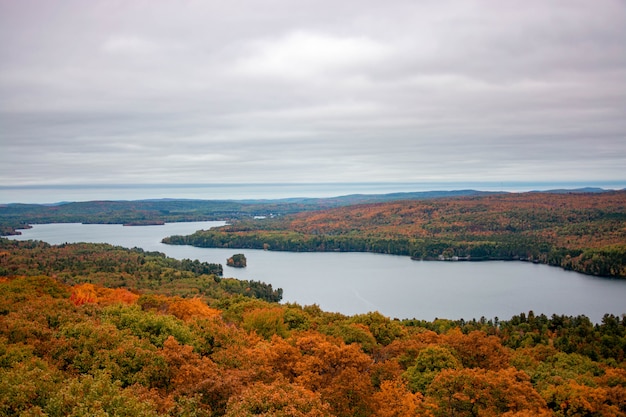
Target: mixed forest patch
114	266
585	232
93	329
141	212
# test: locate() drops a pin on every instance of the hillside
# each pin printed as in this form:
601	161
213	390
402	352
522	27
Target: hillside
75	340
15	216
585	232
117	267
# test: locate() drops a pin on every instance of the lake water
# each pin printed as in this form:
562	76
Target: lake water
396	286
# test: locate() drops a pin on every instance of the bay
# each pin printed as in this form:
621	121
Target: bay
396	286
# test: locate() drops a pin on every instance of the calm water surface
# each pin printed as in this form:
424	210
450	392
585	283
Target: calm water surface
353	283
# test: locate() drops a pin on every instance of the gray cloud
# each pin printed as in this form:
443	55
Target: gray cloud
193	92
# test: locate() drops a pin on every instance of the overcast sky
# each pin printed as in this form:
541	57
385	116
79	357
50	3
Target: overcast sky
118	92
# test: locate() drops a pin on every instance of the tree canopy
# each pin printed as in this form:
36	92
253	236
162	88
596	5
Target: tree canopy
74	341
584	232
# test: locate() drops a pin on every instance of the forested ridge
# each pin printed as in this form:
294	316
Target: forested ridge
585	232
85	331
16	216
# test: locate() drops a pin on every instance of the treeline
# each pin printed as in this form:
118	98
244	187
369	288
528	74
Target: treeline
20	216
87	350
114	266
232	237
599	342
578	231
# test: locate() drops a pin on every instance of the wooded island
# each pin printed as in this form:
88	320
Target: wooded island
238	261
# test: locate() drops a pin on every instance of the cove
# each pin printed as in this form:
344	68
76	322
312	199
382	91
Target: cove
396	286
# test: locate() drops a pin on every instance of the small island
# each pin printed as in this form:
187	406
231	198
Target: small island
237	261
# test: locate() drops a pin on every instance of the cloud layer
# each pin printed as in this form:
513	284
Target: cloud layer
311	91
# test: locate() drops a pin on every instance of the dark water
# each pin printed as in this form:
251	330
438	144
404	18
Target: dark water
396	286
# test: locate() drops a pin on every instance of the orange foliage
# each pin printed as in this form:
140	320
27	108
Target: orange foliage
387	370
406	350
574	399
280	357
196	376
182	308
335	370
89	293
187	369
528	213
471	392
528	413
186	309
614	383
255	365
477	350
394	400
278	399
83	293
117	295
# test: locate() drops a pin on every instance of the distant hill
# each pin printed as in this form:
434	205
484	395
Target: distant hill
376	198
15	216
575	190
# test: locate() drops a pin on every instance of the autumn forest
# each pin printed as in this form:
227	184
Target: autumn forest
579	231
94	329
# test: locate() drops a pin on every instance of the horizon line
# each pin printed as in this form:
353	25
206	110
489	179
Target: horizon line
577	183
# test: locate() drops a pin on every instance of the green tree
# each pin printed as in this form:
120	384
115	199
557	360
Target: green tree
429	362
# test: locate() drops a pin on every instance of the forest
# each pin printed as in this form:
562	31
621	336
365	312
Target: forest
19	216
96	330
585	232
114	266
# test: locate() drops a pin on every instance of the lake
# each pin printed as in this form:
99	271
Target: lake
396	286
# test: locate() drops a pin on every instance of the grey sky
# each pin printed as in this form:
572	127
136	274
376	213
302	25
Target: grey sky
311	91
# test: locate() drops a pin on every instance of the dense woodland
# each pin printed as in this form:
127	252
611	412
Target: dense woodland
585	232
91	329
114	266
16	216
94	329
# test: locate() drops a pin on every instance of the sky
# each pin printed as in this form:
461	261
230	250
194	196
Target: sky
312	91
